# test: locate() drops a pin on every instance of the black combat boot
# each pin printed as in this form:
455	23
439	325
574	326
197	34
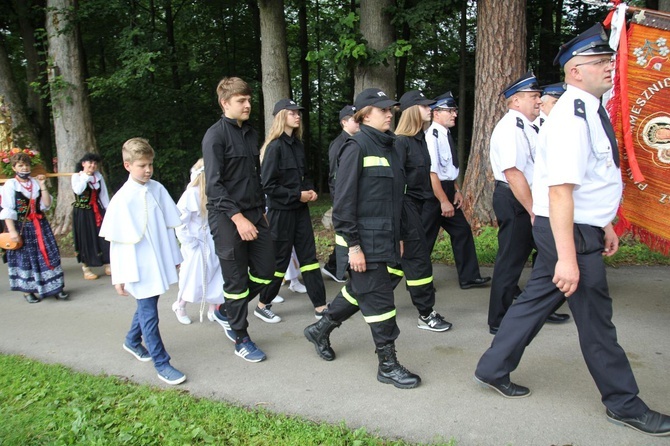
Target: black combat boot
391	372
319	335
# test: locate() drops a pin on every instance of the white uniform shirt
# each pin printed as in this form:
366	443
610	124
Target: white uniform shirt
513	146
540	120
440	153
574	150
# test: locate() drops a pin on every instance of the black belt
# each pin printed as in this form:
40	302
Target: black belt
502	184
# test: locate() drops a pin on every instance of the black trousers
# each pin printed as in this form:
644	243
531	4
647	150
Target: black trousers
370	292
293	228
416	262
515	243
591	308
247	267
458	228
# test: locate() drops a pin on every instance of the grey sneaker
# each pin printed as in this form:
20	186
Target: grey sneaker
171	375
266	314
140	353
433	322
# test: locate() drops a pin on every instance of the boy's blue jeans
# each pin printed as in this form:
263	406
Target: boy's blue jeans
145	325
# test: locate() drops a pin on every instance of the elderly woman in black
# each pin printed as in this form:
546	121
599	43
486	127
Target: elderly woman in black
366	213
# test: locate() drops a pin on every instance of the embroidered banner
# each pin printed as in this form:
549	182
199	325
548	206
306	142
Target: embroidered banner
641	111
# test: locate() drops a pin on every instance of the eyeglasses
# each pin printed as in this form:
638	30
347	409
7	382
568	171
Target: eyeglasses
599	62
452	111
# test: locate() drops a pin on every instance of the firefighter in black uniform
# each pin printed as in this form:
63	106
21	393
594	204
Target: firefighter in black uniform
236	210
336	266
416	264
366	213
288	190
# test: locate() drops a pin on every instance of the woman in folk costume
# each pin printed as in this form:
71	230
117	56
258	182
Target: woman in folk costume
34	268
200	278
91	200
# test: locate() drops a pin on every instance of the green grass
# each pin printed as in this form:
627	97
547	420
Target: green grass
631	252
50	404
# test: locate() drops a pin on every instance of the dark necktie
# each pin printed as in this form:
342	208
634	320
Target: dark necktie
609	130
454	150
536	128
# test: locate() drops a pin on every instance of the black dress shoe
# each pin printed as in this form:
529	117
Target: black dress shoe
475	283
31	298
493	330
509	390
651	423
62	295
558	318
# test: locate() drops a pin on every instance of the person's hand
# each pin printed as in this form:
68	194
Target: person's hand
41	179
458	199
611	241
402	248
245	228
14	235
447	209
305	196
566	276
315	196
121	289
357	262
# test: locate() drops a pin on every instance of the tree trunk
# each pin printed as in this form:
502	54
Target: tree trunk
70	104
462	102
37	109
377	29
21	129
274	56
499	31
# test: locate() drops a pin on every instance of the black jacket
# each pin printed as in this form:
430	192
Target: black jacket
232	168
333	152
368	202
416	159
283	173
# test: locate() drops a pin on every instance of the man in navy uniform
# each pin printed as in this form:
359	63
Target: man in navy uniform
444	210
578	183
512	155
550	95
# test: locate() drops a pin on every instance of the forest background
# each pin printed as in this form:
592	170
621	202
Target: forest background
82	76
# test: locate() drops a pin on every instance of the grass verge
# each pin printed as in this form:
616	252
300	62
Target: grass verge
51	404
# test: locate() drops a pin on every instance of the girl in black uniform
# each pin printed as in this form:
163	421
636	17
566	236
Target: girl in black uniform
287	190
416	264
366	213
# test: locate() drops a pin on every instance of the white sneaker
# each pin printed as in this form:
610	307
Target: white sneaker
277	300
210	316
183	317
297	287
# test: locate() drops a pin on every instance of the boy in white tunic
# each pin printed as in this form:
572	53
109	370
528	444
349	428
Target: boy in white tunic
144	255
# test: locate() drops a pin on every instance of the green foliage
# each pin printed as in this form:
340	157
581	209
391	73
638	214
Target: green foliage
51	404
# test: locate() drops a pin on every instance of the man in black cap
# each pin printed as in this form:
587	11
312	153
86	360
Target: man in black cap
444	209
366	212
334	269
512	155
578	183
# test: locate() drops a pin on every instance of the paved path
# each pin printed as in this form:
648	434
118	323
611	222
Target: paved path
87	331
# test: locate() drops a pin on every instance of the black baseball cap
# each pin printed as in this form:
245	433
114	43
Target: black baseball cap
374	97
285	104
348	110
414	97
